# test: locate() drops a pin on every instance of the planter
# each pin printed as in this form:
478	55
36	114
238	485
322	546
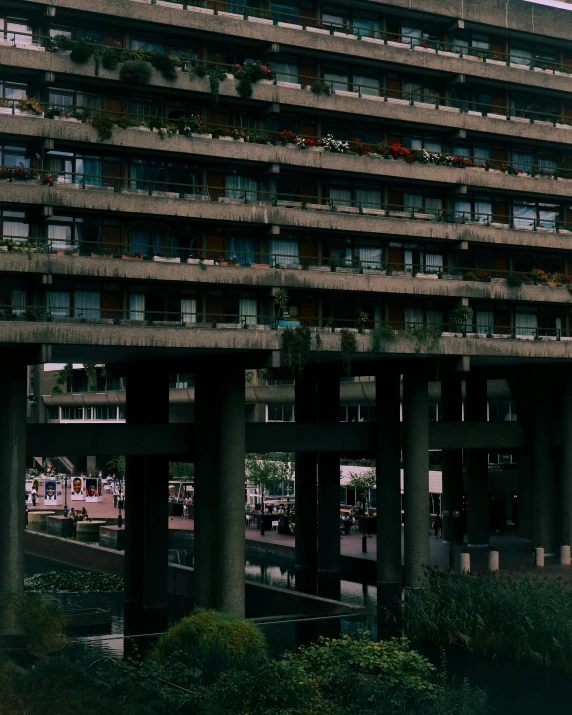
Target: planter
433	276
472	58
166	194
290	25
345	93
292	266
425	217
292	85
259	265
260	20
347	209
495	62
375	97
102	255
418	48
446	53
135	192
496	116
227	200
372	39
289	204
444	108
345	35
232	326
204	261
373	271
318	30
316	148
426	105
401	45
373	212
203	10
322	269
197	197
226	139
397	100
161	259
132	258
399	214
199	135
69	119
318	207
140	129
345	269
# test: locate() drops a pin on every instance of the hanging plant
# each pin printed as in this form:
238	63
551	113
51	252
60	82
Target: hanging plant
381	334
348	348
165	64
103	124
135	72
248	74
81	52
214	71
296	344
110	58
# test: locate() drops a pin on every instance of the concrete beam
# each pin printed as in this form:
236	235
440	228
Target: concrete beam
176	439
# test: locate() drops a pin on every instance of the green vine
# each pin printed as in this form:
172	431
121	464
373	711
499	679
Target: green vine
381	334
425	337
348	347
214	72
296	344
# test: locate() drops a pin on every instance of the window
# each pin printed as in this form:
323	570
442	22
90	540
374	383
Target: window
18	31
286	70
13	224
279	413
13	90
502	411
357	413
181	381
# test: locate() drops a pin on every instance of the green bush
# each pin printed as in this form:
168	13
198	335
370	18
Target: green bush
81	52
165	64
217	641
41	623
110	58
525	617
73	582
135	72
514	280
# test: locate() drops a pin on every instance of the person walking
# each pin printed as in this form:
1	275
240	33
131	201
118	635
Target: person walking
34	494
437	525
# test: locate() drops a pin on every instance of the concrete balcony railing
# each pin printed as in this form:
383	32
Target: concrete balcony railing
104	199
553	24
72	340
293	279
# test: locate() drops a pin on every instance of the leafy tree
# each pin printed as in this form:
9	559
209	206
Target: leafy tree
266	473
63	378
116	465
181	470
362	482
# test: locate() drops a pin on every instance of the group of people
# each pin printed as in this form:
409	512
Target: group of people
78	515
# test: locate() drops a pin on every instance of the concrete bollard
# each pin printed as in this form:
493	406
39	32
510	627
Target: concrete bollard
539	557
565	555
465	563
493	560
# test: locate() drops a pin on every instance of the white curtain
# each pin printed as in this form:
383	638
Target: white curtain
483	211
522	161
286	71
370	256
136	306
15	229
413	201
433	262
188	310
433	145
435	319
524	215
368	198
237	187
485	321
86	303
548	215
58	303
434	206
414	318
463	209
284	251
247	311
482	153
526	323
61	237
18	301
366	84
341	197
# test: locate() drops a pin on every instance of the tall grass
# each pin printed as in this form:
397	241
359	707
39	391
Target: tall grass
523	616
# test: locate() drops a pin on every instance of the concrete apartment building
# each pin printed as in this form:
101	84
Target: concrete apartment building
404	173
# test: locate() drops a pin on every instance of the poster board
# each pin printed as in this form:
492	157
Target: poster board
78	488
52	492
93	486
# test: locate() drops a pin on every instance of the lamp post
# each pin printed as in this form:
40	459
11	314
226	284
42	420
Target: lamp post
66	512
449	517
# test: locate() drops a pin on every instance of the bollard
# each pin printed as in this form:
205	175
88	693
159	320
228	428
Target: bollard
493	560
539	557
465	563
565	555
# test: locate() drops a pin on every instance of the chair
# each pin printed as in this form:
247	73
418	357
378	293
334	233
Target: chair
275	525
510	523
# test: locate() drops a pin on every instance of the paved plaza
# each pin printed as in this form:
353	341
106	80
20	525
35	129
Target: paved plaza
515	554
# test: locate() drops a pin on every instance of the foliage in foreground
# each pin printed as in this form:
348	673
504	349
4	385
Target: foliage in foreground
217	642
525	617
41	623
73	582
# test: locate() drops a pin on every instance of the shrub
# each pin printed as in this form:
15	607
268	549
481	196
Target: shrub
135	72
477	612
41	623
165	64
513	280
73	582
381	334
110	58
218	641
81	52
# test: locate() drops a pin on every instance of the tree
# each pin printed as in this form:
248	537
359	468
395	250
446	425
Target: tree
116	465
265	473
63	377
363	482
181	470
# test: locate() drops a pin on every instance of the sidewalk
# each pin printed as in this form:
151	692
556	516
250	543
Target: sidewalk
515	554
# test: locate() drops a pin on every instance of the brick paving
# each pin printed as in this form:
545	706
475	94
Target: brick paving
515	554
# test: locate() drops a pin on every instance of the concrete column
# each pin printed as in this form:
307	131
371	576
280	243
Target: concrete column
525	498
306	532
543	477
465	563
493	560
452	460
388	485
146	522
12	503
219	487
477	466
566	458
329	494
416	477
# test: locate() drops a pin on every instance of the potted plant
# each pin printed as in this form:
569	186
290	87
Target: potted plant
281	300
30	105
462	316
133	256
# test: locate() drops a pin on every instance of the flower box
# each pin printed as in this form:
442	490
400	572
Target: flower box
346	35
495	62
432	276
346	269
89	187
292	85
222	13
346	93
259	265
316	148
231	326
5	110
203	10
199	135
424	217
322	269
525	120
375	97
373	271
318	30
226	139
135	192
26	46
197	197
291	266
228	200
204	261
290	25
474	113
132	258
496	116
473	58
141	129
445	108
402	45
519	66
163	259
374	212
318	207
102	255
68	119
400	214
347	209
539	69
289	204
260	20
446	53
418	48
397	100
372	39
426	105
